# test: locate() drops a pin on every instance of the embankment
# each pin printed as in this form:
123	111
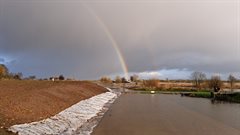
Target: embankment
28	101
70	121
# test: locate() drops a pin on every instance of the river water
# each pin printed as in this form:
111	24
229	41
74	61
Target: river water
158	114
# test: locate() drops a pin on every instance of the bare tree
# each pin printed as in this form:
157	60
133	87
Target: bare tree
198	78
124	80
106	79
232	79
118	79
151	83
32	77
134	78
215	83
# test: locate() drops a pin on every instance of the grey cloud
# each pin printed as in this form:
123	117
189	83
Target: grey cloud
201	41
53	37
2	60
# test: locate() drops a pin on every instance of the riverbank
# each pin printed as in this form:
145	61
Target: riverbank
232	97
29	101
71	120
222	96
199	94
183	92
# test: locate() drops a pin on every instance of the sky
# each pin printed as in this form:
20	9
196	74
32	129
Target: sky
87	39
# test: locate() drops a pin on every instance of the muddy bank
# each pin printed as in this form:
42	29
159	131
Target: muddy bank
76	119
28	101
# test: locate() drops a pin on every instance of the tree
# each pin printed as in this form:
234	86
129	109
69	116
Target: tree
198	78
106	80
151	83
18	76
118	79
61	77
32	77
124	80
215	83
3	71
231	79
134	78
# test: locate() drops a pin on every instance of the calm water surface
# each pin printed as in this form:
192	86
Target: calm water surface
146	114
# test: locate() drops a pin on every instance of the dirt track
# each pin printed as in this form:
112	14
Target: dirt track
27	101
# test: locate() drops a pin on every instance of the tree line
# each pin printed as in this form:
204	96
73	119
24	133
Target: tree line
118	79
215	82
5	74
198	79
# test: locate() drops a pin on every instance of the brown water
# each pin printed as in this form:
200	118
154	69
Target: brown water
145	114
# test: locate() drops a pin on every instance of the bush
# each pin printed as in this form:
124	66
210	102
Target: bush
134	78
151	83
118	79
61	78
201	94
18	76
3	71
106	80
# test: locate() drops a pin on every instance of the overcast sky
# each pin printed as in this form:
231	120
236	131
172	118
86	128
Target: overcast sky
157	38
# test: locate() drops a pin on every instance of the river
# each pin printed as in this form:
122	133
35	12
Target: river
159	114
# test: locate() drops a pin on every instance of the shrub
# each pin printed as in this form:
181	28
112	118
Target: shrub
61	77
106	80
118	79
3	71
151	83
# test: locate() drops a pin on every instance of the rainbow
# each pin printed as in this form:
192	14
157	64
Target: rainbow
112	40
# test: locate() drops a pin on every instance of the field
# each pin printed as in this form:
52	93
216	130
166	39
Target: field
28	101
176	86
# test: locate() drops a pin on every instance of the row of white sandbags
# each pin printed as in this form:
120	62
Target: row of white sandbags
69	120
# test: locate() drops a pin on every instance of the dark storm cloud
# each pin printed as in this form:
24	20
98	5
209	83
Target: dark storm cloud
61	37
196	36
51	39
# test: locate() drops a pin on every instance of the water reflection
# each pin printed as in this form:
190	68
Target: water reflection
214	101
154	114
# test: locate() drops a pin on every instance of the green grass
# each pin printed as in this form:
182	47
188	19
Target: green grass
236	98
201	94
193	93
231	98
161	89
168	90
